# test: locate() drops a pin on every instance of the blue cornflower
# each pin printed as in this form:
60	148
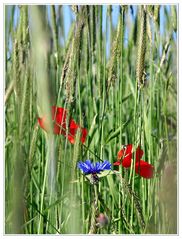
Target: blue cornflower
89	168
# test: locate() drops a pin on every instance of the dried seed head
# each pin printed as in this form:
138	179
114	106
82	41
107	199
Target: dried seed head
142	23
75	8
157	13
74	58
116	51
174	17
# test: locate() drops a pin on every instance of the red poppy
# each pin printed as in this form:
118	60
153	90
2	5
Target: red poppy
59	125
73	127
144	169
125	156
59	119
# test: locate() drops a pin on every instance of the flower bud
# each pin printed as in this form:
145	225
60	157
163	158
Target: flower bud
102	220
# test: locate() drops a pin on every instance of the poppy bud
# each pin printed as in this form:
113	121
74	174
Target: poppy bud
102	220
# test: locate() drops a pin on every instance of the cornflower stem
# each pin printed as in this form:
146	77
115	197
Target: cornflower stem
93	227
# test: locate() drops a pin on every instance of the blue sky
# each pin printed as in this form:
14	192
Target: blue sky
69	17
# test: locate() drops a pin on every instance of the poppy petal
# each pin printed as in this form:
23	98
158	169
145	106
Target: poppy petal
43	124
128	149
117	163
120	153
126	162
57	129
71	139
125	151
139	153
58	110
144	169
84	135
59	116
73	129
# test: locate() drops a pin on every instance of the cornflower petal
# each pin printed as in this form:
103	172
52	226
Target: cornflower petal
105	165
97	166
85	166
89	168
88	163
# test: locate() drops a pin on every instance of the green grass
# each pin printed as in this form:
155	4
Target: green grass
127	94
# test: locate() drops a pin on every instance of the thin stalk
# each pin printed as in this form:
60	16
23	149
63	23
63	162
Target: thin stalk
93	227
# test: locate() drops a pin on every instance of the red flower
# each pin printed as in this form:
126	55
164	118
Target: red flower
73	129
59	125
59	119
125	155
142	168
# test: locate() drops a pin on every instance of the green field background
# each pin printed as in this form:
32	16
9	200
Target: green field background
118	79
